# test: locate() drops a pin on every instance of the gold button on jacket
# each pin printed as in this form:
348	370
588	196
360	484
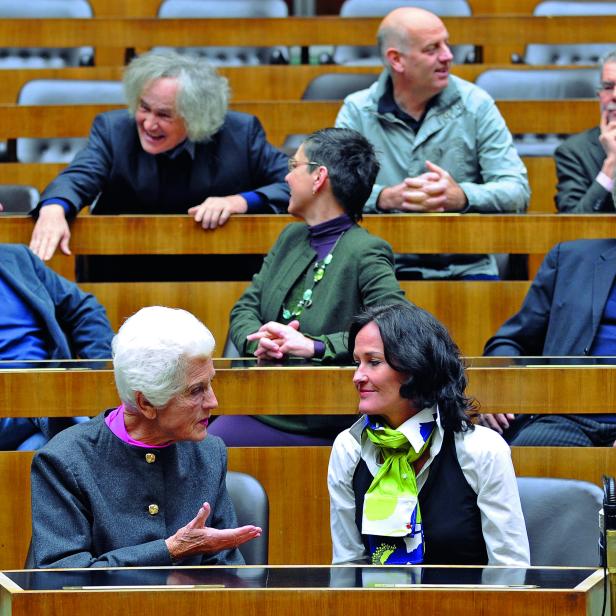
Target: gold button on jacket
153	509
150	458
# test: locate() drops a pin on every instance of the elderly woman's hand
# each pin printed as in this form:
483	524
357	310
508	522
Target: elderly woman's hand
197	538
277	340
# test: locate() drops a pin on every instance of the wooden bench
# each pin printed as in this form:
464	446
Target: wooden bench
295	481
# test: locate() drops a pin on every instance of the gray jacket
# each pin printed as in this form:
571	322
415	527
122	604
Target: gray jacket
92	497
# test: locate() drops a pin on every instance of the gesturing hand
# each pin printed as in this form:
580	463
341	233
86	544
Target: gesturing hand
197	538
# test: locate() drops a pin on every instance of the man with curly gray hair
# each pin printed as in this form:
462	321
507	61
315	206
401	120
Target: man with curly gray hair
176	149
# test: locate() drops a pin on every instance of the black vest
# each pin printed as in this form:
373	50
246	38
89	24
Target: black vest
450	516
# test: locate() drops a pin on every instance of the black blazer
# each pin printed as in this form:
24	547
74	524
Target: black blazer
562	310
238	158
578	161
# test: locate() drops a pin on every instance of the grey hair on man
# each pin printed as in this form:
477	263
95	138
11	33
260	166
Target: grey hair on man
203	95
608	58
152	350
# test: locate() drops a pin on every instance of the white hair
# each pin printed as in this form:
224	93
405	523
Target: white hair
151	352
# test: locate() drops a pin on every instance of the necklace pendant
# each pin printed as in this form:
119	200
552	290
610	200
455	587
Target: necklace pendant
286	314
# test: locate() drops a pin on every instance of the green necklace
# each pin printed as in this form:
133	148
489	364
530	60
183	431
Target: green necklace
319	268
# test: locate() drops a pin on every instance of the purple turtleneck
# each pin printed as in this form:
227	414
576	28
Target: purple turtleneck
323	236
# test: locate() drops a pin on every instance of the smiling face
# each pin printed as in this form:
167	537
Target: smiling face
159	126
376	381
185	416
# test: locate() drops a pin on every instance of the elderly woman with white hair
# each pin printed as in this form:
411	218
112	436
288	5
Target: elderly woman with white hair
140	484
176	150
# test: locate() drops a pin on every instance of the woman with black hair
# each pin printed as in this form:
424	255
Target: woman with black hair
413	480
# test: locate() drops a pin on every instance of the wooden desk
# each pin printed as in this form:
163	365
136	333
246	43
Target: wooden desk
292	391
291	513
274	591
254	234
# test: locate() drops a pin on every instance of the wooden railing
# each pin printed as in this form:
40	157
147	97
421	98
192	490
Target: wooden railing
317	390
255	234
497	35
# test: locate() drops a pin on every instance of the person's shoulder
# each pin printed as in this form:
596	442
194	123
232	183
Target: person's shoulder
584	248
115	118
470	94
235	119
481	443
369	240
579	141
346	449
74	442
293	232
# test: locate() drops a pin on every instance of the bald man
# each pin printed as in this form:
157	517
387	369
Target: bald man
443	145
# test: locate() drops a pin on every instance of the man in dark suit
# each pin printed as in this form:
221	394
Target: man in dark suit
177	149
585	163
570	309
43	317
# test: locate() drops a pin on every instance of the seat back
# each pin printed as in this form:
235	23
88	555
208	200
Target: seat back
562	521
18	198
367	56
252	507
539	84
329	87
576	53
60	92
43	57
229	56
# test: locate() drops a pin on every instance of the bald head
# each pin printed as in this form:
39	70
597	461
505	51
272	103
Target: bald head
400	26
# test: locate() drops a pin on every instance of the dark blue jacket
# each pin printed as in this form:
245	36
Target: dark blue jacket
76	324
562	309
238	158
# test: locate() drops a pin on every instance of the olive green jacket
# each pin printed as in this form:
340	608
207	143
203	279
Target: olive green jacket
360	274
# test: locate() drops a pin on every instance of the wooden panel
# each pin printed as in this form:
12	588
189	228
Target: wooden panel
542	179
471	311
486	30
282	118
449	601
295	481
263	82
253	234
212	302
318	390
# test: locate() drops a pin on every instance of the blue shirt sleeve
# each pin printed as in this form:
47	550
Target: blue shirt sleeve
69	210
257	203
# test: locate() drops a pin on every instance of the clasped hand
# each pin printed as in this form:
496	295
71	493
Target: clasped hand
197	538
277	340
432	191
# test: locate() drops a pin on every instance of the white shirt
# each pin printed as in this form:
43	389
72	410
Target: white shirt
485	460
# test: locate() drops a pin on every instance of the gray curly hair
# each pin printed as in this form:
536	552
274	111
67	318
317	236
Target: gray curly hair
203	96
